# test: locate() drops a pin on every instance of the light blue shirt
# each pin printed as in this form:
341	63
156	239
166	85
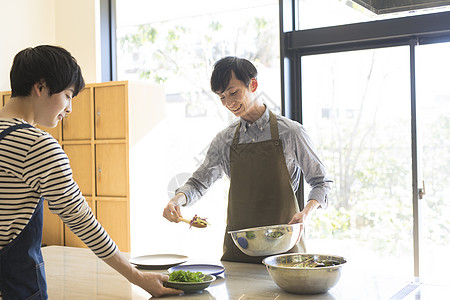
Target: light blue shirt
298	151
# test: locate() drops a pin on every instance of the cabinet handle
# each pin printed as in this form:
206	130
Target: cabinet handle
99	170
98	118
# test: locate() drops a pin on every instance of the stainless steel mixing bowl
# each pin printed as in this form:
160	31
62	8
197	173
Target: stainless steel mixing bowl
290	274
267	240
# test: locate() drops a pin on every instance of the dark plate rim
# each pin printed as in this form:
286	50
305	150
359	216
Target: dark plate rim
220	269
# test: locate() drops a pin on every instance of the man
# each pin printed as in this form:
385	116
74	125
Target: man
262	154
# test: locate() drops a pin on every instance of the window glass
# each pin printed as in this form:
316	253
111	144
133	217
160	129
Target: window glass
356	107
324	13
433	103
176	48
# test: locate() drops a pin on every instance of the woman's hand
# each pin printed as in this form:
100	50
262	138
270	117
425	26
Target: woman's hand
149	281
172	211
152	283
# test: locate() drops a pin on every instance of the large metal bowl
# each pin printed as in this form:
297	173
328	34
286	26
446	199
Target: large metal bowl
286	271
266	240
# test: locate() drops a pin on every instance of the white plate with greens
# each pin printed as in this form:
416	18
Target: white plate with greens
191	287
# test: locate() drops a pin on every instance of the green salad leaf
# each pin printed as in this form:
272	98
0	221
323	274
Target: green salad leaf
186	276
313	263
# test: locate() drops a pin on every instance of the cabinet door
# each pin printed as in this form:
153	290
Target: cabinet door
110	112
111	165
52	232
114	216
80	157
77	125
4	100
70	239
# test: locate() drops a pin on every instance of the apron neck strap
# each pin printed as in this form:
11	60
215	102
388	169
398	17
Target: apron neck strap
273	125
273	129
236	134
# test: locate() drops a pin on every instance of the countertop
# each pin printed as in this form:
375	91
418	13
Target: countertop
76	273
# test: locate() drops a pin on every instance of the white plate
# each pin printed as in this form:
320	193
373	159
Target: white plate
158	261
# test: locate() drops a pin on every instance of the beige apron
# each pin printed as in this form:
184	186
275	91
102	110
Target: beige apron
261	191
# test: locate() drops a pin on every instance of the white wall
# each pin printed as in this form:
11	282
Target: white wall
66	23
76	31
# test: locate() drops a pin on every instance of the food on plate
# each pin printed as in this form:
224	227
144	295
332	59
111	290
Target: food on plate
186	276
315	263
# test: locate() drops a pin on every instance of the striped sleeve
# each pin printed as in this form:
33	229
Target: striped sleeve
47	170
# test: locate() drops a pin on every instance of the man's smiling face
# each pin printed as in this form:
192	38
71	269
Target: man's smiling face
237	97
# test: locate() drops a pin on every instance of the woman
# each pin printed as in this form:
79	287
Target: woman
33	167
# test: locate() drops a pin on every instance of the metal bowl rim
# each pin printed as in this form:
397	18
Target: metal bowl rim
265	227
295	268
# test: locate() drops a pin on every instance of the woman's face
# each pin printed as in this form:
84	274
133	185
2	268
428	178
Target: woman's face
54	108
239	98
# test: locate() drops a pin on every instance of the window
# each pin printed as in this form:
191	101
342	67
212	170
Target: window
433	101
392	94
367	151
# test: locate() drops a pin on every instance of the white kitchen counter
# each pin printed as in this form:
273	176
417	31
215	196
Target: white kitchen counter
76	273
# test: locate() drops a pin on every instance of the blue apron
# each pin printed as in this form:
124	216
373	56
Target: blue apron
22	273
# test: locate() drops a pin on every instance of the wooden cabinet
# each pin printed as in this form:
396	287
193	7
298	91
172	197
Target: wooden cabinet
108	121
110	113
53	230
4	97
81	163
78	126
111	214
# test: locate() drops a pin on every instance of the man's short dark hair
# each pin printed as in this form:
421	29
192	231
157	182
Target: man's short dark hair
223	68
52	64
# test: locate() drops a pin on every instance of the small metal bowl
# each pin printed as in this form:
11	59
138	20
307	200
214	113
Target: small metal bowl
267	240
288	272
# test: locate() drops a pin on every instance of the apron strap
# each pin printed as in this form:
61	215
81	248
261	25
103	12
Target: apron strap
2	135
273	129
236	135
273	126
12	128
21	261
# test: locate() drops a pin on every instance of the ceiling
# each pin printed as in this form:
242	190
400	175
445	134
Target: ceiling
390	6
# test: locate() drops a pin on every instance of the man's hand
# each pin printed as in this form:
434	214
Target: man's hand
172	211
303	216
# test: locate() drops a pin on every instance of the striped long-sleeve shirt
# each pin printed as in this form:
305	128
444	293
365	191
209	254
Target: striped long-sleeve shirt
33	164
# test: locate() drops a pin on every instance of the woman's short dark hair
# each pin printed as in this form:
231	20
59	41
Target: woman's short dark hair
52	64
223	68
